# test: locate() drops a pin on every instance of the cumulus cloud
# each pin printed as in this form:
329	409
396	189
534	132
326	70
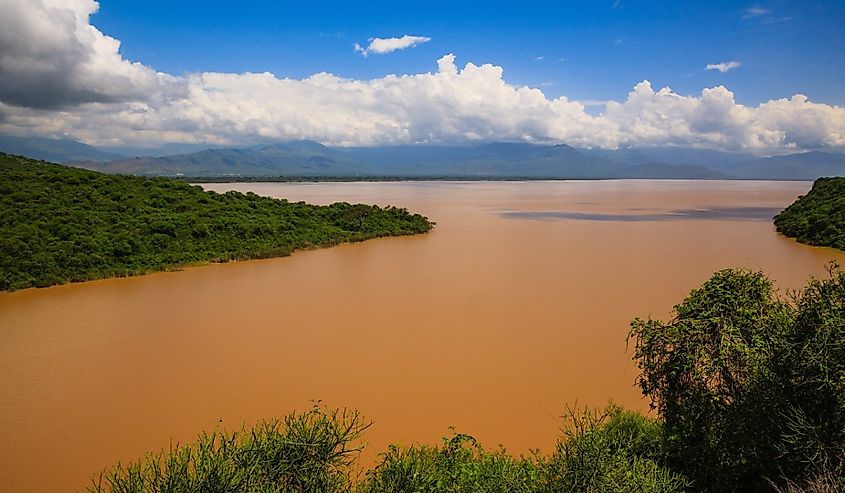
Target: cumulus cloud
51	56
723	67
380	46
455	103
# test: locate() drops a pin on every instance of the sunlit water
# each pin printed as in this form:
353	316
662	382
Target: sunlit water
517	304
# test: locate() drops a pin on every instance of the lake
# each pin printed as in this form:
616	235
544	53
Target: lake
516	305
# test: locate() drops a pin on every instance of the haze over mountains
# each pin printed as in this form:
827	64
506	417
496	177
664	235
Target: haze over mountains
494	160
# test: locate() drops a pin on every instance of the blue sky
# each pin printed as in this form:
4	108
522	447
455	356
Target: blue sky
761	77
590	50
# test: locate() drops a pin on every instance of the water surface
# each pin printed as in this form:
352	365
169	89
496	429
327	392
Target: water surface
517	304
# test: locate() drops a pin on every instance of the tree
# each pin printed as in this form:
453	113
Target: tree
749	385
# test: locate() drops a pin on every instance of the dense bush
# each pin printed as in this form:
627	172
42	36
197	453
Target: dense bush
459	465
750	386
614	451
305	452
61	224
817	218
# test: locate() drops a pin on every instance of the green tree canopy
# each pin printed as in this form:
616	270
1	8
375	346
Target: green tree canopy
61	224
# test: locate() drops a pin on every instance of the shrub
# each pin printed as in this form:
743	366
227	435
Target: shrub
750	386
613	451
459	465
304	452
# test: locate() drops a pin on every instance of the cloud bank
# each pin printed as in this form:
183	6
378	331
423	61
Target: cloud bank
61	77
380	46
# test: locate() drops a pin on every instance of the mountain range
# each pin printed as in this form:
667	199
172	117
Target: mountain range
308	159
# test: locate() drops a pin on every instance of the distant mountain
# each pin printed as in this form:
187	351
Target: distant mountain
306	158
674	171
54	150
801	166
158	151
674	155
294	159
494	160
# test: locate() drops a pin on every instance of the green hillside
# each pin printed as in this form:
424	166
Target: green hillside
61	224
817	218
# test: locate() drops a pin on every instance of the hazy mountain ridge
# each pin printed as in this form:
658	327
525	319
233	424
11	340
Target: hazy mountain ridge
803	166
495	160
55	150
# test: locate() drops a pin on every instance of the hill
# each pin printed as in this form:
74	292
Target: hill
817	218
800	166
276	160
311	159
62	224
496	160
55	150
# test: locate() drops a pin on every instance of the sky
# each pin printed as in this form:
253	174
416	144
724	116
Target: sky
761	77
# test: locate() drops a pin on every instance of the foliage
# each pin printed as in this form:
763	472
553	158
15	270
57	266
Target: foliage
808	370
306	452
749	385
316	451
61	224
615	451
817	218
825	481
460	465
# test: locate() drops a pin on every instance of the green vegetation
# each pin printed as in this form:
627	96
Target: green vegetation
61	224
311	451
748	385
817	218
613	451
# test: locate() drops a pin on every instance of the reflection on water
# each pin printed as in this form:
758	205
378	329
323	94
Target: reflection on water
487	323
711	214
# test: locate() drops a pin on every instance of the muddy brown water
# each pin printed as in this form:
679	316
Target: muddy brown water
517	304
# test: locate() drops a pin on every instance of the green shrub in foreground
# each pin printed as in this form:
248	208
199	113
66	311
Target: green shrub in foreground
750	385
615	451
304	452
459	465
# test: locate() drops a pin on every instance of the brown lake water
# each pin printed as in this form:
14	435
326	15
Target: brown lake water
517	304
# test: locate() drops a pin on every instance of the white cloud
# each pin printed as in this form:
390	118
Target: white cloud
52	56
724	66
138	106
380	46
715	120
764	16
752	12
